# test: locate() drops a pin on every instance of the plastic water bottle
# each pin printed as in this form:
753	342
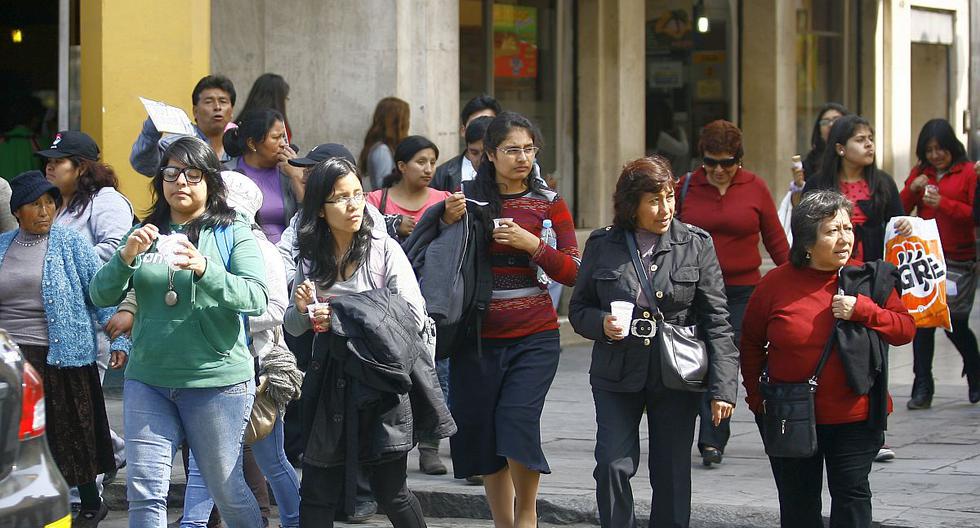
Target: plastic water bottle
549	237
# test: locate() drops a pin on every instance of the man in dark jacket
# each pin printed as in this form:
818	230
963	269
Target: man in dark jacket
452	173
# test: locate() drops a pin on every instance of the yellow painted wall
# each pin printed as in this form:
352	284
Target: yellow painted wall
133	48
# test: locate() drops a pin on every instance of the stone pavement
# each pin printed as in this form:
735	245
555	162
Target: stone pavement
933	482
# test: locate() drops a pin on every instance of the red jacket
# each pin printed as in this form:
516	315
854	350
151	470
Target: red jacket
954	216
735	222
787	323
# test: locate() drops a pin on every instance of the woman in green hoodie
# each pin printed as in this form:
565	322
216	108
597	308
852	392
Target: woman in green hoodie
195	269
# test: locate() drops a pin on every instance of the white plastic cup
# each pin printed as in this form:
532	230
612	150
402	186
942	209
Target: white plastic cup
311	308
497	222
623	312
932	189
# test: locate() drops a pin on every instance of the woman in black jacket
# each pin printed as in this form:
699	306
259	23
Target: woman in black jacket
689	290
848	166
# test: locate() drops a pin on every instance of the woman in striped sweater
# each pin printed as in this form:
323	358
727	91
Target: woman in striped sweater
498	390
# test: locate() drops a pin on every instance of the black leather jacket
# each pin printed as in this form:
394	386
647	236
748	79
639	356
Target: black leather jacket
693	292
370	375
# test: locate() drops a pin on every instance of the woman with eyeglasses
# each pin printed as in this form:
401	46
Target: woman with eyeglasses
498	385
735	207
848	166
406	192
196	270
351	415
826	117
943	186
260	149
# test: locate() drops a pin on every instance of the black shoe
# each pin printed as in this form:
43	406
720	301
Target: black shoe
973	381
710	455
475	480
922	390
363	511
91	518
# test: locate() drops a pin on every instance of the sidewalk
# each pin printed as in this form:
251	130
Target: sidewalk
933	482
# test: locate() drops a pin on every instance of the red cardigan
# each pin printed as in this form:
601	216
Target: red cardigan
735	222
954	216
790	312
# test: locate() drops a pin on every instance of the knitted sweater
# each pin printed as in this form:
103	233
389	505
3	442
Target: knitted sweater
69	266
514	316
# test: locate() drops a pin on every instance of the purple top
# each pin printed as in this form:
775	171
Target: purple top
272	214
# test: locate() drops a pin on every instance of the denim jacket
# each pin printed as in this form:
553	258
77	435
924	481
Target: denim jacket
69	265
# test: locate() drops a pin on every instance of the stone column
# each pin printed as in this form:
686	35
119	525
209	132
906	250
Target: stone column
611	101
768	77
133	48
341	57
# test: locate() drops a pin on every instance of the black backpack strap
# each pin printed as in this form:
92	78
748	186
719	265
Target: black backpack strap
384	200
684	188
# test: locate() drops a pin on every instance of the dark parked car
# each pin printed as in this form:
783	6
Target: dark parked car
32	492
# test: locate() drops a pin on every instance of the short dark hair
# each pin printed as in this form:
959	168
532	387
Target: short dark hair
213	81
404	152
942	132
477	129
478	104
814	208
651	174
254	125
721	136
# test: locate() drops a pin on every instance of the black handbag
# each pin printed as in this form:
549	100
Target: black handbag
789	422
683	355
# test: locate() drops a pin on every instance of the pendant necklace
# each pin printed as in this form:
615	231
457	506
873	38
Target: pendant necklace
170	298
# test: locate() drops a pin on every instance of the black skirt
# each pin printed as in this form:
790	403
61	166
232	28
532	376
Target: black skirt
77	425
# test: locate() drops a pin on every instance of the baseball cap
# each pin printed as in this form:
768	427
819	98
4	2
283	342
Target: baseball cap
71	143
323	152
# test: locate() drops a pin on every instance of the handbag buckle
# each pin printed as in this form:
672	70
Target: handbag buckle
645	328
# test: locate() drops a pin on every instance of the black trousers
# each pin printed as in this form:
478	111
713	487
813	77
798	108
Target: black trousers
848	451
924	347
708	434
321	494
670	420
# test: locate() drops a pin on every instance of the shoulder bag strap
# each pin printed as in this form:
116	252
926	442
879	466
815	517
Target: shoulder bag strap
641	273
384	200
684	188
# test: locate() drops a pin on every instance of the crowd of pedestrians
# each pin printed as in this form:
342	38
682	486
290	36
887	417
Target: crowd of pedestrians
275	311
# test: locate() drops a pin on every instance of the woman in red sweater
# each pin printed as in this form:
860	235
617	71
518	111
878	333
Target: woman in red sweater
788	321
942	186
498	390
735	207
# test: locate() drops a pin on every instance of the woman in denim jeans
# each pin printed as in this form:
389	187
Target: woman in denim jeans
190	373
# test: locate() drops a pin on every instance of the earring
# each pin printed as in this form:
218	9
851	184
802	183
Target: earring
839	153
807	256
253	149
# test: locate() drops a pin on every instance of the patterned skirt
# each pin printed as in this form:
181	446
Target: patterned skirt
77	425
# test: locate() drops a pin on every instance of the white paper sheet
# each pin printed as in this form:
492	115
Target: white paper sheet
168	118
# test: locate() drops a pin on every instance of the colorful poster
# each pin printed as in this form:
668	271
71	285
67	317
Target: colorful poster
515	41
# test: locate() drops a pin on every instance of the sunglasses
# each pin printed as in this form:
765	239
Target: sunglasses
725	163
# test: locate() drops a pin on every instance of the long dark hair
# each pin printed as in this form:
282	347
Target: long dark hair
192	152
828	177
404	152
942	132
270	90
816	140
92	177
389	125
254	125
485	184
315	240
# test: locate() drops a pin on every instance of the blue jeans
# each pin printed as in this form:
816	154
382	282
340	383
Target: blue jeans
212	421
272	461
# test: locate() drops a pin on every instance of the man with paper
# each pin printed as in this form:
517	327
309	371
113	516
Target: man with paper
213	99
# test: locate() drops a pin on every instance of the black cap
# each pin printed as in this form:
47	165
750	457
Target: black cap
28	187
322	152
72	143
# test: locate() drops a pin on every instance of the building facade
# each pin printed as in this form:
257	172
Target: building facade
602	78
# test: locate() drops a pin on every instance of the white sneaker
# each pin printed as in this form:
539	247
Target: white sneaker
884	454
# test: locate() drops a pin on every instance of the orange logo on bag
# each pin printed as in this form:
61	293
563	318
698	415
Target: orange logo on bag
923	279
